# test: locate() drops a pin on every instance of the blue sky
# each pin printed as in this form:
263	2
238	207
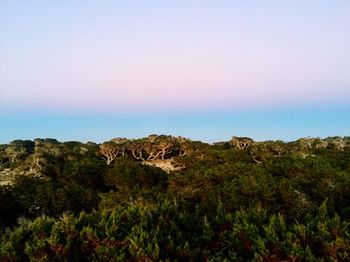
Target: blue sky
284	124
93	70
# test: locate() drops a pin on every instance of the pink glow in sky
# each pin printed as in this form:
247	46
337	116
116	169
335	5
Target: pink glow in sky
109	55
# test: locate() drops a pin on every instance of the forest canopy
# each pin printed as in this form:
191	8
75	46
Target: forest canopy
170	198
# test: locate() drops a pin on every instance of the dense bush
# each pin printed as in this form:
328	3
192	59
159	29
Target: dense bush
144	232
222	203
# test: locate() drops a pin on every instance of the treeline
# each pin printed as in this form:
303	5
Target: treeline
238	200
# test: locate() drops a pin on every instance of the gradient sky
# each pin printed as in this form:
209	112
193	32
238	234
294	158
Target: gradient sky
94	70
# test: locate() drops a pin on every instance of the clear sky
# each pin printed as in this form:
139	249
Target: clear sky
94	70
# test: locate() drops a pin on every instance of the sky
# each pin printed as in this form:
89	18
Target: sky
208	70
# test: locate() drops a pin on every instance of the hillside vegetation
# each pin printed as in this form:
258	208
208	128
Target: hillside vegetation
165	198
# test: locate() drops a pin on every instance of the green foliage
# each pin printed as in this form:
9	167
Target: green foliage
128	175
270	201
9	207
139	231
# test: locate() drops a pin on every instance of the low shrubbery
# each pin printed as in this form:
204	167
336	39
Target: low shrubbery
221	205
